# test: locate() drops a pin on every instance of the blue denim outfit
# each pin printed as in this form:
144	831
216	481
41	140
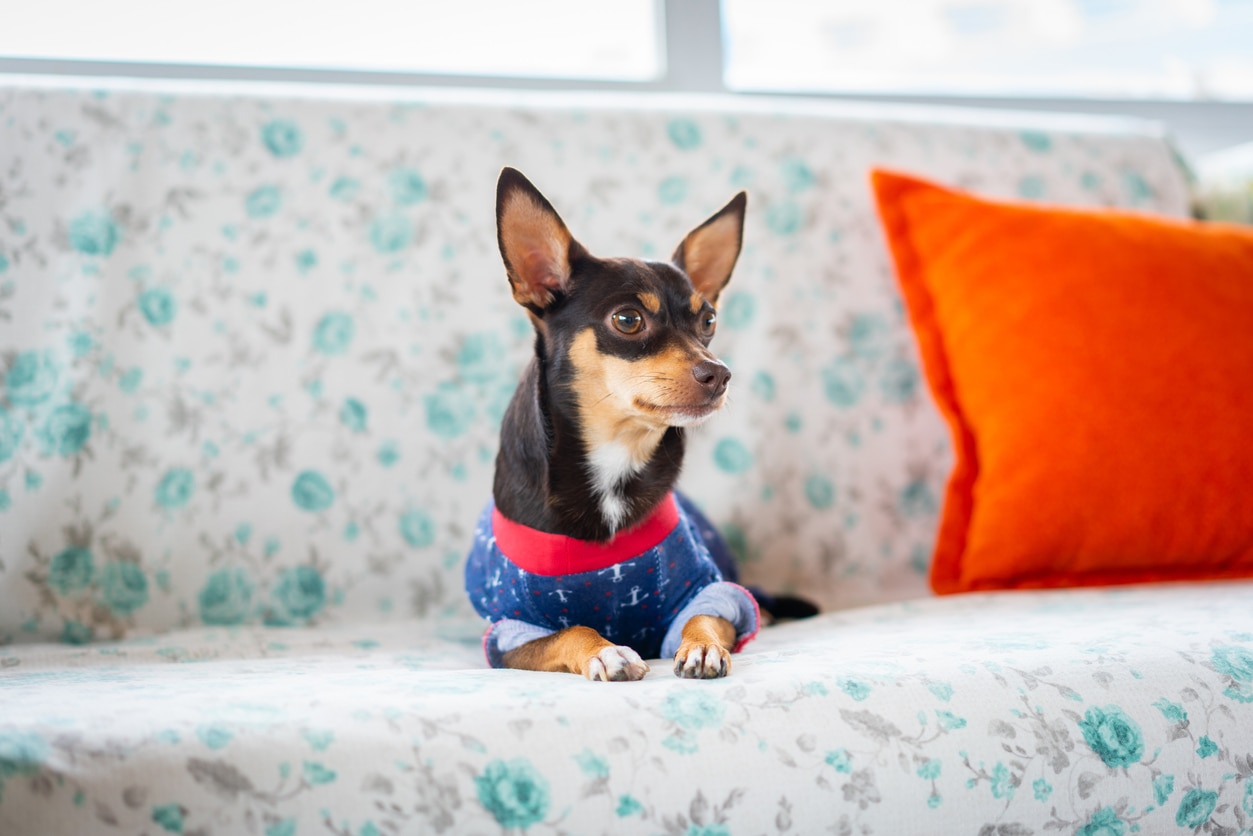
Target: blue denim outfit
641	601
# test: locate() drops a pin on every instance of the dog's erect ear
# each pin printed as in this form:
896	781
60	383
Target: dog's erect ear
534	242
708	253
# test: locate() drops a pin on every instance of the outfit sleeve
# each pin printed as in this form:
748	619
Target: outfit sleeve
506	634
722	599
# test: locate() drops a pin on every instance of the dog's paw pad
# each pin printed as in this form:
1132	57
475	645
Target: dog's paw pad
702	661
615	663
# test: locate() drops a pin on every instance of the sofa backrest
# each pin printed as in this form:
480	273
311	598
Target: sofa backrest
256	343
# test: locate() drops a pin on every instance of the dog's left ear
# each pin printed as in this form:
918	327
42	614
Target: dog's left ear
708	253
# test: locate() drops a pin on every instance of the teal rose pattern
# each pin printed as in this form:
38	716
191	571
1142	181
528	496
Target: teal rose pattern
71	570
1104	822
391	233
514	793
263	201
226	599
732	456
407	187
1234	661
311	492
693	710
300	594
11	432
819	491
94	233
784	219
842	383
283	138
158	306
684	133
1114	736
478	359
345	188
21	753
123	587
169	816
32	378
354	414
449	412
417	528
1196	808
175	488
1163	787
333	333
66	429
75	632
840	760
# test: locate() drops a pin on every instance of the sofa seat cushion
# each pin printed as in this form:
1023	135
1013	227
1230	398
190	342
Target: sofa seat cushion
1031	710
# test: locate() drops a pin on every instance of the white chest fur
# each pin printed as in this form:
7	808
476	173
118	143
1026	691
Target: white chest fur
612	464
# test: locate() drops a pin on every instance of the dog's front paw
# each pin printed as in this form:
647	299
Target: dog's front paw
615	663
697	660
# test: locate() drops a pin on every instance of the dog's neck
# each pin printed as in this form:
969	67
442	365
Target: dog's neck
563	472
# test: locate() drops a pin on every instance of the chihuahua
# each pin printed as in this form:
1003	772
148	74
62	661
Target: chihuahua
586	560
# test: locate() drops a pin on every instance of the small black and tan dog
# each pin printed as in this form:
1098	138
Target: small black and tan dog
587	560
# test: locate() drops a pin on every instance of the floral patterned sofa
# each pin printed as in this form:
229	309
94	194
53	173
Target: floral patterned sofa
255	344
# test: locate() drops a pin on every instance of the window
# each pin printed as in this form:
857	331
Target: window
1114	49
1186	63
536	38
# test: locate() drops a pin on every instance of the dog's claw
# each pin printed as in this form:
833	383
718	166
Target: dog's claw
615	663
702	662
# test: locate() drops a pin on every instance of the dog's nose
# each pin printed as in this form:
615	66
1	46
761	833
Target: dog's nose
713	375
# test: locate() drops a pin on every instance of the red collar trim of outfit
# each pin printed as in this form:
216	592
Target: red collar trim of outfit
541	553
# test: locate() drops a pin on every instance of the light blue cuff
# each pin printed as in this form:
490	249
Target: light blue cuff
508	634
724	600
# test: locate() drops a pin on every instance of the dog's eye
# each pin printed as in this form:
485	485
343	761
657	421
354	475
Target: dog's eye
629	321
708	323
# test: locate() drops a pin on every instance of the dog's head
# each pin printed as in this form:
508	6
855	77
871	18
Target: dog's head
627	339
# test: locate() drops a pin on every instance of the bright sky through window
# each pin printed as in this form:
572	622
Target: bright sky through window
1173	49
541	38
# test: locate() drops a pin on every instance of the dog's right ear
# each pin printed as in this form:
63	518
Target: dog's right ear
534	242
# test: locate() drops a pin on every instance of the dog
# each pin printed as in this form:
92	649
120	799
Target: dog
586	560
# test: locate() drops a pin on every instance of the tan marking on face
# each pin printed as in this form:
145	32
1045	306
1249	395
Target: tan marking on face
603	391
651	302
624	409
633	403
697	302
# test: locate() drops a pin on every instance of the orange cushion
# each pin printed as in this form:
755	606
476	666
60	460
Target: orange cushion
1096	372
